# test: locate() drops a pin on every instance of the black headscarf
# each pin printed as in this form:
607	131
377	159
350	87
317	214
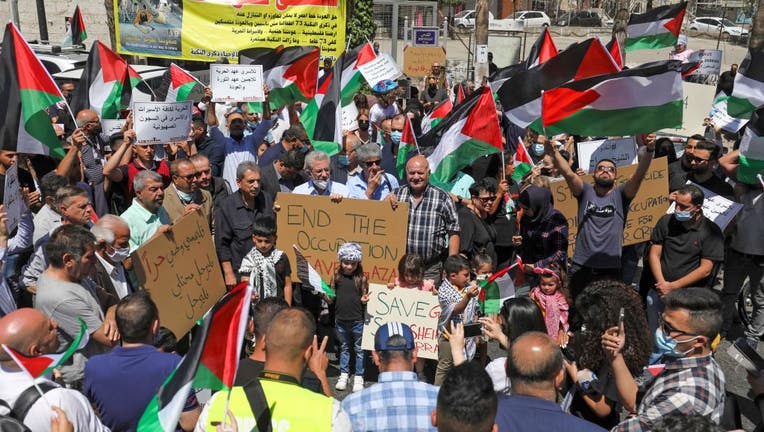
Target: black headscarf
538	199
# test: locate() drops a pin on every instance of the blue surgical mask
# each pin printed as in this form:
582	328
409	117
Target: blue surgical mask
304	149
251	125
538	149
185	197
343	160
665	346
395	136
683	216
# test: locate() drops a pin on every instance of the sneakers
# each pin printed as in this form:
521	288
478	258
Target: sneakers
357	384
342	382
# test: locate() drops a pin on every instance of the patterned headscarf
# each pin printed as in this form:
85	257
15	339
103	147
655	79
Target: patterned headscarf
350	252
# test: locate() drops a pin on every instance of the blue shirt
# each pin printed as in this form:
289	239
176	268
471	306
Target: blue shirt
531	414
122	383
357	186
333	187
271	154
398	402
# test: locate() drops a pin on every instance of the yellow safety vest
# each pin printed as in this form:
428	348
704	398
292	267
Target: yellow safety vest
293	408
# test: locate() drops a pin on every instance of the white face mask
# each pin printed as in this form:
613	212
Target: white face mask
119	255
321	184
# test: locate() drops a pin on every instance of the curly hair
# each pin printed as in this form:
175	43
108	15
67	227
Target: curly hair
598	307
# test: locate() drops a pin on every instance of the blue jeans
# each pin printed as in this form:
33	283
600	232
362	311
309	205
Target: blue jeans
350	333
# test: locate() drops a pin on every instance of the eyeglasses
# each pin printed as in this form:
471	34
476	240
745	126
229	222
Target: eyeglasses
396	130
485	199
190	177
370	164
605	168
204	172
693	158
668	329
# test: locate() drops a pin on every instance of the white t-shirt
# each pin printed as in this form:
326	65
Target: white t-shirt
74	404
377	113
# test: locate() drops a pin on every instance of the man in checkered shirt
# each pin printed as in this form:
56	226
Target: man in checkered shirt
398	402
691	381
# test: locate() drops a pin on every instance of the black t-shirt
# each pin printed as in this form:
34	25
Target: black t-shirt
348	304
249	370
25	179
504	221
678	177
604	385
475	234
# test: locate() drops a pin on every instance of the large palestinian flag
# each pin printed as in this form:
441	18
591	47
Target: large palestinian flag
181	85
27	90
469	132
748	90
657	28
290	73
520	96
106	85
542	50
210	363
503	74
322	117
352	79
638	100
751	162
77	28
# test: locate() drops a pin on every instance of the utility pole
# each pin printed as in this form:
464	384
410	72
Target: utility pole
756	41
481	41
42	21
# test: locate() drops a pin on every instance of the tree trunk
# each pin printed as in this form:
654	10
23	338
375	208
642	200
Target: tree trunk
481	37
756	42
109	5
620	23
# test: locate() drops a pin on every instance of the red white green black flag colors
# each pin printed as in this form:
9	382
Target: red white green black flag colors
77	28
27	90
44	364
290	73
500	285
657	28
210	363
751	163
181	86
748	91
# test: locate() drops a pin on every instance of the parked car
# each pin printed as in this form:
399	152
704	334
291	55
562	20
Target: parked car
465	21
580	18
714	24
58	59
532	18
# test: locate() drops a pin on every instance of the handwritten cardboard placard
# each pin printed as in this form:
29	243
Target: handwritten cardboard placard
645	209
710	61
381	68
715	207
181	271
161	122
319	227
417	61
622	151
236	83
12	199
417	309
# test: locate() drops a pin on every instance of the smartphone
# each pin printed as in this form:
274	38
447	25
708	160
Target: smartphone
746	356
472	330
620	318
568	353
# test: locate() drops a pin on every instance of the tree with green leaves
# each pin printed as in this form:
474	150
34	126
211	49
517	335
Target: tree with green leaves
360	21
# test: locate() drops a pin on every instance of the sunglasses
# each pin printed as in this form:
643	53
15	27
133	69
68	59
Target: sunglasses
604	168
485	199
370	164
668	329
191	176
692	158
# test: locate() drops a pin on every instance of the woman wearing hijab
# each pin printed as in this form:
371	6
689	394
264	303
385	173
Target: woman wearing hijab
543	238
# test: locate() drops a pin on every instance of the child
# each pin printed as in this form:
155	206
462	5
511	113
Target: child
352	290
411	274
482	265
266	267
551	295
458	303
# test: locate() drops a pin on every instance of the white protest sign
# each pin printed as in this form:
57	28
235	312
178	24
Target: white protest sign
715	207
161	122
697	99
418	309
110	126
12	199
381	68
236	83
722	119
622	151
350	117
710	62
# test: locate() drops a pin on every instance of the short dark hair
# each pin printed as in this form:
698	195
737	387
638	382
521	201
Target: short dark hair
294	133
466	400
455	264
385	356
264	226
51	183
198	122
134	315
696	194
294	159
482	186
68	239
264	311
411	264
544	372
704	307
165	340
175	166
606	160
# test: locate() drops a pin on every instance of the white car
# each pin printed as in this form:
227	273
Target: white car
532	18
714	24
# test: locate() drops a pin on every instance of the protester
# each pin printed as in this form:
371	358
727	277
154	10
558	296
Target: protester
89	148
700	158
466	401
551	294
146	216
206	146
48	217
216	186
386	106
503	212
475	234
283	175
432	95
129	160
266	268
112	236
184	195
21	241
727	81
680	51
345	164
373	182
319	179
293	138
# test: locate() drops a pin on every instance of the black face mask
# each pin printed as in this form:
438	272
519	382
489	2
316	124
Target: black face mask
363	125
237	134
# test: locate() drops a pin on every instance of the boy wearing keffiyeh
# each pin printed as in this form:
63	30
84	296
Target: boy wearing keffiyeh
266	267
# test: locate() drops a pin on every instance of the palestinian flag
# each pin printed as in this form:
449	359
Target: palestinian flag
45	363
436	115
542	50
106	85
497	287
459	93
614	48
290	73
182	86
309	276
210	363
520	96
638	100
27	90
352	79
503	74
522	161
469	132
751	162
322	116
748	90
77	28
657	28
408	144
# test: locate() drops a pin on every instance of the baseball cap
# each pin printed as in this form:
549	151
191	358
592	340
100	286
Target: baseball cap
385	332
385	86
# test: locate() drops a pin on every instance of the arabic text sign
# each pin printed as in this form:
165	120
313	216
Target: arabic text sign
426	36
715	207
710	62
237	83
161	122
417	309
12	199
182	272
319	227
417	61
381	68
622	151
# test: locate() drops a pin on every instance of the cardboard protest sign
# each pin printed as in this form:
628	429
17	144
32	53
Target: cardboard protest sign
697	99
236	83
622	151
710	61
381	68
12	198
645	209
181	271
319	227
161	122
417	61
715	207
419	310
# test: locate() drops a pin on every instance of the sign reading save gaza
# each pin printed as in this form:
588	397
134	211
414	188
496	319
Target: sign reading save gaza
206	30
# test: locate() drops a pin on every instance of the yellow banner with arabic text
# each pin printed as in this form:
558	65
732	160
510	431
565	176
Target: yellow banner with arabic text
207	30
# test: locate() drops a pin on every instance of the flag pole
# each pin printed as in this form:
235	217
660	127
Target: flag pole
503	165
543	128
369	42
189	74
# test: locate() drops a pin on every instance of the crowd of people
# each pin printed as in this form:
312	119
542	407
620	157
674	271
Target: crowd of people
589	345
